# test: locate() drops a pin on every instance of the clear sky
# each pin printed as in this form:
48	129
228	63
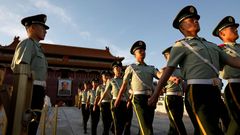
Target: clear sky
113	23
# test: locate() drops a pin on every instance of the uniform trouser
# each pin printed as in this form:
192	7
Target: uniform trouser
232	96
36	103
205	107
174	107
144	113
95	115
129	116
192	117
85	115
106	117
224	115
119	116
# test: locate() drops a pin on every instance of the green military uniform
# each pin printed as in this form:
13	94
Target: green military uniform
95	115
174	101
29	52
198	93
85	109
232	93
174	105
105	107
119	113
141	82
201	78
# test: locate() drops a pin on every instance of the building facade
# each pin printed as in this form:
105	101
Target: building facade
65	63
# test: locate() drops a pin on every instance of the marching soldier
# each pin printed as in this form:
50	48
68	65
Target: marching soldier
29	52
129	116
79	97
105	107
113	85
174	100
141	76
199	61
226	30
84	105
95	114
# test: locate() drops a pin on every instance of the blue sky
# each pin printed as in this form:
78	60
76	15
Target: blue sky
113	23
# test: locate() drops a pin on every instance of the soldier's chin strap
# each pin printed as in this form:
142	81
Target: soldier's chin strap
198	55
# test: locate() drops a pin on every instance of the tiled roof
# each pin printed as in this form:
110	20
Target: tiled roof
63	55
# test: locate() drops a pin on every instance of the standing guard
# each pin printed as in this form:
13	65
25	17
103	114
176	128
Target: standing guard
226	30
30	52
140	76
199	61
174	100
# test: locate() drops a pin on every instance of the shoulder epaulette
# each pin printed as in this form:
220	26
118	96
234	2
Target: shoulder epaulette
221	46
180	40
132	65
210	42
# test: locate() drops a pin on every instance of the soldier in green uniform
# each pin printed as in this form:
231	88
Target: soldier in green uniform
226	30
84	105
174	100
105	106
199	61
95	114
113	85
29	52
141	77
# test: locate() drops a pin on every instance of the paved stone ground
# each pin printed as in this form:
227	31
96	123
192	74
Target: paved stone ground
70	123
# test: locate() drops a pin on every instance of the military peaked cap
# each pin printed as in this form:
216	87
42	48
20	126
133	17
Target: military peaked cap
86	82
116	64
96	80
36	19
137	45
167	50
105	72
225	22
187	12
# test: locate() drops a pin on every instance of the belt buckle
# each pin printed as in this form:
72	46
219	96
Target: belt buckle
179	93
217	82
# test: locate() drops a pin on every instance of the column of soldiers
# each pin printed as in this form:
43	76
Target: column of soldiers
198	60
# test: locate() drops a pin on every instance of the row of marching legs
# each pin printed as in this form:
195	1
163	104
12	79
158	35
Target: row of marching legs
115	120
